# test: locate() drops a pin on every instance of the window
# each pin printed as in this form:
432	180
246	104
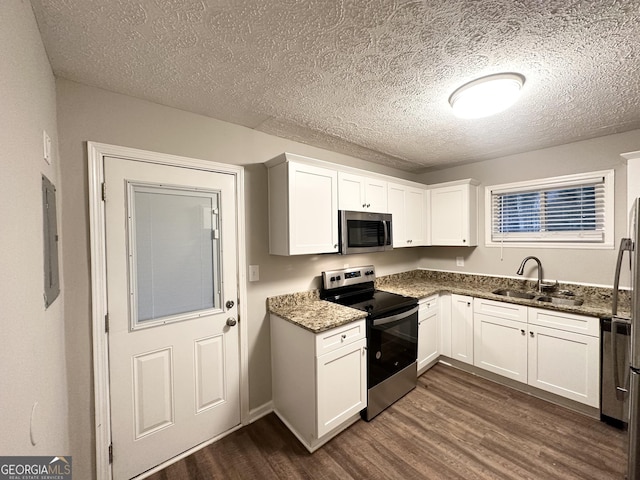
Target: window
569	211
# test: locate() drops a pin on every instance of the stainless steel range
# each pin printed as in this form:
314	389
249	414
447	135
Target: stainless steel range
392	333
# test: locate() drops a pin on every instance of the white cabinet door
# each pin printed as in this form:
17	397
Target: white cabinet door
428	332
303	209
453	215
362	194
500	338
408	207
342	385
313	199
376	195
395	200
351	195
501	346
462	328
416	226
565	363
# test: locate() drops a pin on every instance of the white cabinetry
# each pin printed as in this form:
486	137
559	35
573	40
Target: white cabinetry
454	213
361	193
319	380
462	328
303	207
564	355
408	205
428	332
500	338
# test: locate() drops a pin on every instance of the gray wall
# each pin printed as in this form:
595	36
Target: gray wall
574	265
32	355
90	114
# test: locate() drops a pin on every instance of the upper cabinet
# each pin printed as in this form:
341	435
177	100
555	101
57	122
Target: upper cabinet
408	206
305	195
303	207
454	213
361	193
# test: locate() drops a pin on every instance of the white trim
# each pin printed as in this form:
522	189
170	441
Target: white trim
96	152
609	227
261	411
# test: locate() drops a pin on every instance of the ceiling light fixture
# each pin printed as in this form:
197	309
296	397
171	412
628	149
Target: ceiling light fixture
487	95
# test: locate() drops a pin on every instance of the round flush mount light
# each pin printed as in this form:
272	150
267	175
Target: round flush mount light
487	95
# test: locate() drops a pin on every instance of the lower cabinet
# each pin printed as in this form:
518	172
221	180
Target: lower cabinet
500	338
554	351
428	332
565	362
319	380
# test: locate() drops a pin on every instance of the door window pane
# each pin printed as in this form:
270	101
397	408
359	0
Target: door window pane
175	253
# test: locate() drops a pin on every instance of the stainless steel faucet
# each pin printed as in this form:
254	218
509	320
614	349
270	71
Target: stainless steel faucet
521	270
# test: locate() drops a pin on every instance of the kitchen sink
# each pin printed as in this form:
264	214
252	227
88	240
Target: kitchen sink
514	294
572	302
554	299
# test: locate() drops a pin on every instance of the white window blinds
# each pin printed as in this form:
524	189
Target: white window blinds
573	209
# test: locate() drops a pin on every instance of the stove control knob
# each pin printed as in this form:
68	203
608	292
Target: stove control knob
369	272
338	277
332	279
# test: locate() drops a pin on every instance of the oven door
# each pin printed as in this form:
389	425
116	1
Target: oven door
392	344
362	232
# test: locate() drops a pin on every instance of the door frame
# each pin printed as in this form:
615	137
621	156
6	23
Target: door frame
96	153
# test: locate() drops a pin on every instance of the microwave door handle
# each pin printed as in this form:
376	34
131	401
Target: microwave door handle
394	318
386	232
625	244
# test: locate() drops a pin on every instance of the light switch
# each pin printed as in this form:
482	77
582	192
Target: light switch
254	273
46	147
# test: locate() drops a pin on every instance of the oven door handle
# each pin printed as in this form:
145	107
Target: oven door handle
394	318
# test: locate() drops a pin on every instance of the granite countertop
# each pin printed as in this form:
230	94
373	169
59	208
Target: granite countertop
307	310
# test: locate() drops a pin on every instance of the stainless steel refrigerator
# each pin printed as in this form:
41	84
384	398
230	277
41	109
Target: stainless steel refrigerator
633	322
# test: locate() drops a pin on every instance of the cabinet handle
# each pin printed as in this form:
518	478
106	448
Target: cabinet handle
464	240
368	205
335	245
364	205
531	334
523	332
468	304
343	336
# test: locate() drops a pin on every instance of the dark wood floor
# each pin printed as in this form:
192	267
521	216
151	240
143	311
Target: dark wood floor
453	426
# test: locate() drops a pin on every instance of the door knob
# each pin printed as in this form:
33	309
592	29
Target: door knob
229	304
231	322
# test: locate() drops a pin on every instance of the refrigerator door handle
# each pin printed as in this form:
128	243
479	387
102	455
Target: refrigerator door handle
626	244
622	386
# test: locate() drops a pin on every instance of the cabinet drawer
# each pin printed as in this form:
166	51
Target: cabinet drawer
428	303
337	337
500	309
568	322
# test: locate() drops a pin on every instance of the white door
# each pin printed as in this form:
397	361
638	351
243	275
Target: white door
172	303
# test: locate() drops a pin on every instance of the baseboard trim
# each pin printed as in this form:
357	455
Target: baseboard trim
259	412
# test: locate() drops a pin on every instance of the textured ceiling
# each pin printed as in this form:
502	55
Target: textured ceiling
369	78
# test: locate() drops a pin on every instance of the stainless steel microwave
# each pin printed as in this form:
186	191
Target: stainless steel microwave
364	232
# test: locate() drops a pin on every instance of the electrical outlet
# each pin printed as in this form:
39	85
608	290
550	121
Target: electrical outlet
460	261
